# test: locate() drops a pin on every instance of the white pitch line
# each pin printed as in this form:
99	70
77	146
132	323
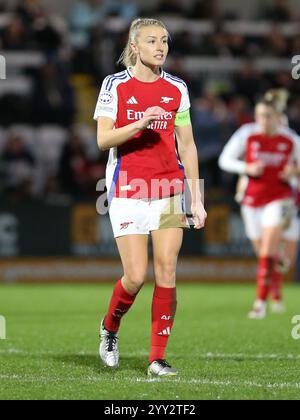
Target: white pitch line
248	384
212	356
203	382
259	356
11	351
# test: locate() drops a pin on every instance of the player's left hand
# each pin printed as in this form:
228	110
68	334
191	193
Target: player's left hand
199	215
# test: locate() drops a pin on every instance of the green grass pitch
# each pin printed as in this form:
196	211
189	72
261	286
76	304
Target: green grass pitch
51	351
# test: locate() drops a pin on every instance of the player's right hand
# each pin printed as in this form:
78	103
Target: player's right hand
151	114
255	169
288	173
199	215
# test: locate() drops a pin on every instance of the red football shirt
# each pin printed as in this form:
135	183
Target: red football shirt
144	164
249	145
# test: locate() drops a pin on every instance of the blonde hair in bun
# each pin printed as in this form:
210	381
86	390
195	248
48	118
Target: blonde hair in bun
277	99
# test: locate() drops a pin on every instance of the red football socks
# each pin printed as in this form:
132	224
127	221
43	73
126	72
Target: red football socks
276	285
163	314
120	304
264	276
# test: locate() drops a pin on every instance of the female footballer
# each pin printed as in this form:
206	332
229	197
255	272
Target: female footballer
268	153
287	255
291	236
141	112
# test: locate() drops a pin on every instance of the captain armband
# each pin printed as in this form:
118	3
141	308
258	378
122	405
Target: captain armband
183	119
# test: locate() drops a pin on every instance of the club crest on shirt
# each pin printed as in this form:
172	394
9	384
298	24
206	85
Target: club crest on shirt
166	100
283	147
255	145
106	98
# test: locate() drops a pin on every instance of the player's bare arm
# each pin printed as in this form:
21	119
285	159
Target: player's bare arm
189	157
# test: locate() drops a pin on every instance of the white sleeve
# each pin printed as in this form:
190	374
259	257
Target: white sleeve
107	105
185	103
231	159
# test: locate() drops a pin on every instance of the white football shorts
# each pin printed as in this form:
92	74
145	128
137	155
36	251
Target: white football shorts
281	213
140	217
293	232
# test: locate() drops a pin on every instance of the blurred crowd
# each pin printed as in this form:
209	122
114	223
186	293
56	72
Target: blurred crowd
82	43
83	33
50	163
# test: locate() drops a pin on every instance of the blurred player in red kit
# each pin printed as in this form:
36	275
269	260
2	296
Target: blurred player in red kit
267	153
141	112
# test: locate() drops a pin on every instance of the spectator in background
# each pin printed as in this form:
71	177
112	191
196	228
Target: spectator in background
216	44
294	115
212	124
53	98
86	14
18	166
30	11
72	167
42	34
15	36
249	82
126	9
204	10
276	45
280	11
237	45
47	38
170	7
284	80
183	43
295	48
77	174
240	111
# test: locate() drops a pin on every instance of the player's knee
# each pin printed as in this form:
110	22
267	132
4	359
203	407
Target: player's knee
166	272
135	279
